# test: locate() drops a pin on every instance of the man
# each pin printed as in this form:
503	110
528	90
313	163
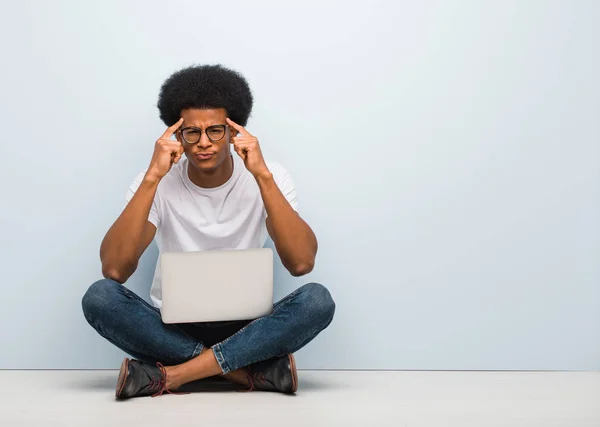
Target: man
208	200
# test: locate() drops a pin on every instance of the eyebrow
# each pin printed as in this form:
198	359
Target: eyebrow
198	127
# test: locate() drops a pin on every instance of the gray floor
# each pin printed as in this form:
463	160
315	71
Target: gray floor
325	398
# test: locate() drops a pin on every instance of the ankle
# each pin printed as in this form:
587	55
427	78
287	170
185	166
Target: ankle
172	378
239	376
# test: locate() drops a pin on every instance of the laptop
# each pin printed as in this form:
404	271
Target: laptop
212	286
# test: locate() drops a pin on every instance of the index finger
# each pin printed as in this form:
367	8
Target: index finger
172	129
237	127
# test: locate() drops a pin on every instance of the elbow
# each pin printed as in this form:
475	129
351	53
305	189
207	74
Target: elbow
300	269
119	275
302	264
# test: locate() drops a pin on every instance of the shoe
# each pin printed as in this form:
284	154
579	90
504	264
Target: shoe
140	379
277	374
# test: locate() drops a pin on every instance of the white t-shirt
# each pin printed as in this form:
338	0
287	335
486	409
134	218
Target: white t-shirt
191	218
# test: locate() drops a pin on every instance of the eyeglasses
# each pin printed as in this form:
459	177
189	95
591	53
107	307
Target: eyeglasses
191	134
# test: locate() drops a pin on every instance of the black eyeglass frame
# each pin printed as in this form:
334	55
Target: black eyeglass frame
225	129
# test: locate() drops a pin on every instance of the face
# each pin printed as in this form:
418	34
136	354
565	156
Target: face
205	155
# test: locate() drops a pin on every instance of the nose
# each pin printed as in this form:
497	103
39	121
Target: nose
204	142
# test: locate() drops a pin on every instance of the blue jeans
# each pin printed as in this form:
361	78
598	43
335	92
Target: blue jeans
133	325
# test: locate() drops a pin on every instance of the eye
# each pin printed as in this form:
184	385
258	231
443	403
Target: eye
215	133
191	134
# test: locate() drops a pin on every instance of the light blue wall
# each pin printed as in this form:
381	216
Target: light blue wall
447	155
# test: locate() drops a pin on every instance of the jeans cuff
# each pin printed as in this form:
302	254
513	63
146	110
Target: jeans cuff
220	359
197	350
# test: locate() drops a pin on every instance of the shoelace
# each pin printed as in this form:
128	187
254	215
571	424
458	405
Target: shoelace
161	385
256	377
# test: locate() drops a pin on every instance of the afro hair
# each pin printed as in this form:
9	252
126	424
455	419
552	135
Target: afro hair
205	86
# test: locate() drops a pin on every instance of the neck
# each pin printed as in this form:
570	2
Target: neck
213	178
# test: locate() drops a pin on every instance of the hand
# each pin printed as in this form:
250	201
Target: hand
248	149
166	153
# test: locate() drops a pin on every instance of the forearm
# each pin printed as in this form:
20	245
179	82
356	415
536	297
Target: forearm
294	240
122	246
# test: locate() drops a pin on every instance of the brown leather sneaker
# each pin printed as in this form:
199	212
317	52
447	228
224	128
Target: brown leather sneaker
276	374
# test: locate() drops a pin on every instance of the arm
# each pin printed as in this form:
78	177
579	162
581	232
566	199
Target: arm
294	240
130	235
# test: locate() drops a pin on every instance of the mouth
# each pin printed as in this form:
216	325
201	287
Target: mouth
204	156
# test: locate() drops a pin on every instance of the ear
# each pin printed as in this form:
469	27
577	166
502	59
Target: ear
229	134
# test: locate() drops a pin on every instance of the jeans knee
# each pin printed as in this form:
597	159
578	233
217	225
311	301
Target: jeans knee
320	302
98	297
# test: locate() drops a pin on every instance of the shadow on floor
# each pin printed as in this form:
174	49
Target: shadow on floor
210	384
104	382
311	383
109	381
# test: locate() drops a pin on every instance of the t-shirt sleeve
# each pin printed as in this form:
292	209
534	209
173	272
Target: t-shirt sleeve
285	183
153	216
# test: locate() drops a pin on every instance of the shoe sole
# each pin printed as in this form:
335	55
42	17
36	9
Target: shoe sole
122	377
294	373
